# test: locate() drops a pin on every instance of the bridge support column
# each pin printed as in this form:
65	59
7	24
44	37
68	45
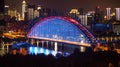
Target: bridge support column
47	44
37	43
55	46
42	44
82	49
51	45
32	41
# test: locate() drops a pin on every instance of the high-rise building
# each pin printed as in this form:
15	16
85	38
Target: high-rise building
36	13
12	13
83	19
6	16
23	9
90	17
98	16
117	13
45	12
6	9
108	13
30	10
74	13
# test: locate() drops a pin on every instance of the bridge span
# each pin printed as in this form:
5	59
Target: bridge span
59	29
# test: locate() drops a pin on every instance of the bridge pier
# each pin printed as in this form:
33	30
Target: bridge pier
47	44
37	43
32	41
51	45
55	46
42	44
82	49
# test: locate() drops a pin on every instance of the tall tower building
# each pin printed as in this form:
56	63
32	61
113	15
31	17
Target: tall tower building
83	19
30	10
117	13
6	9
108	13
97	15
23	9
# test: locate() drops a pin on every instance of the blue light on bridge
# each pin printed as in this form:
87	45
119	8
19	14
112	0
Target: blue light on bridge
38	50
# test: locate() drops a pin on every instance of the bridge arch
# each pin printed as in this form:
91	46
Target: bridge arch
59	29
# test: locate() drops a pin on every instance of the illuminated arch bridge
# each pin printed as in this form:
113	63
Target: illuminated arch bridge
61	29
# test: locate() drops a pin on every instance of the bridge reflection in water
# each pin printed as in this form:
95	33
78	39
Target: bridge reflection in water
45	47
38	50
59	45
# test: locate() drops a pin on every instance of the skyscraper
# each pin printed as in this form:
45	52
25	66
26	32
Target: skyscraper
30	10
117	13
83	19
23	9
108	13
98	16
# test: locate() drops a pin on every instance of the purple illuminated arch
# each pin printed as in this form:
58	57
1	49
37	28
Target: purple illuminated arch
82	28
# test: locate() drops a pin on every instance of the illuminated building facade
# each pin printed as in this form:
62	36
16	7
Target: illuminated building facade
36	14
12	13
30	11
117	13
74	13
83	19
23	9
108	13
6	9
6	16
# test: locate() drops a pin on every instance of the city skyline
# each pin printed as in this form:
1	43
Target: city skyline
62	5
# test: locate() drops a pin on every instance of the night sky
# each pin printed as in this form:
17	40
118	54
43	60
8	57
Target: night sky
66	4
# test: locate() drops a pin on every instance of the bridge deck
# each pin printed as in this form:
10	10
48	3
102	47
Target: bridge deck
63	41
